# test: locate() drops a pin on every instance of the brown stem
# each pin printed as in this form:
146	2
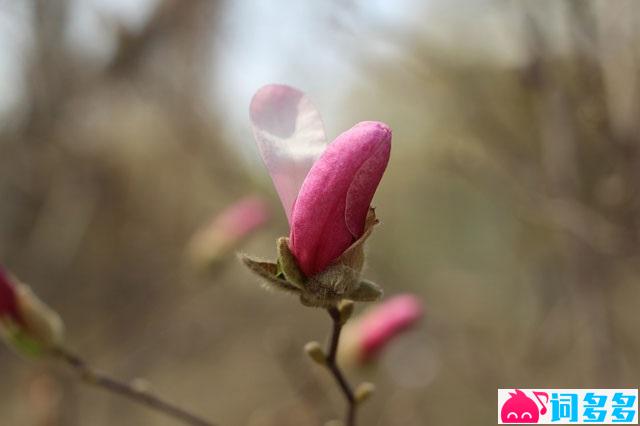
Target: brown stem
332	365
101	380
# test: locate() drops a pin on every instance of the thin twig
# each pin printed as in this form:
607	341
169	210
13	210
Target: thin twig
332	365
143	397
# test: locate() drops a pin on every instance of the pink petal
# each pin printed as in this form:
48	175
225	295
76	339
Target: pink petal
380	325
364	186
290	137
332	205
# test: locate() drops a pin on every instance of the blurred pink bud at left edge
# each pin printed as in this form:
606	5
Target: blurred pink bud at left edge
377	327
26	324
8	299
228	228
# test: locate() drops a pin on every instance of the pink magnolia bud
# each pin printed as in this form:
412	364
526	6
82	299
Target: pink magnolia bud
326	192
330	211
369	333
228	228
26	324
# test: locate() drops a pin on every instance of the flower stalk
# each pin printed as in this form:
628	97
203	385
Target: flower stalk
335	370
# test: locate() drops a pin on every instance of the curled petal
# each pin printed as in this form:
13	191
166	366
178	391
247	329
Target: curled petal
290	137
331	209
363	187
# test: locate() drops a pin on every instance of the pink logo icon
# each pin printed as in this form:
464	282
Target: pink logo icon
519	408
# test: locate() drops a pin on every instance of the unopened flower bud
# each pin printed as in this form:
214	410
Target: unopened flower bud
26	323
331	208
315	352
364	391
365	336
326	191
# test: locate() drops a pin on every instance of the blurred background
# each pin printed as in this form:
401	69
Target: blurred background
511	204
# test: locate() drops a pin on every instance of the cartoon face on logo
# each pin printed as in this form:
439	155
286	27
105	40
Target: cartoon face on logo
519	408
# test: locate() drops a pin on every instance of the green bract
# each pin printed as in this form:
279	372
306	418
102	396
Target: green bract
340	280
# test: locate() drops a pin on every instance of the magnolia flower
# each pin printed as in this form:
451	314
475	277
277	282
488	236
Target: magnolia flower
227	229
365	337
26	323
326	192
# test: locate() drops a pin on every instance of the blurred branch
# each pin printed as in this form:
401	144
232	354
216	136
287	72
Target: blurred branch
308	392
127	390
168	18
48	73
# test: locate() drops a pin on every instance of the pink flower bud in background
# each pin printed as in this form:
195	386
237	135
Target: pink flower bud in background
330	211
26	324
227	229
8	299
368	334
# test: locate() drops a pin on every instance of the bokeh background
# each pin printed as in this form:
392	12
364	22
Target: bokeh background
511	204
